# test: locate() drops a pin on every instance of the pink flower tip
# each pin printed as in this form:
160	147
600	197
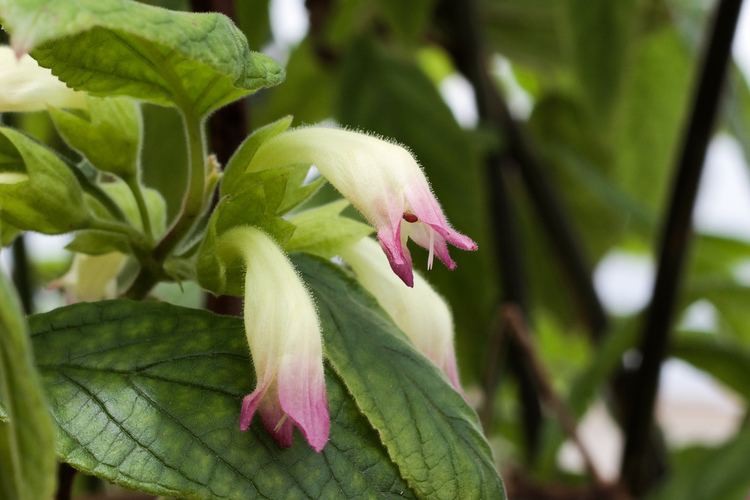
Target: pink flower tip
282	410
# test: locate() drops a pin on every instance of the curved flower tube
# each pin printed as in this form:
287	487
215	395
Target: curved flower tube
284	336
26	86
420	312
92	277
382	180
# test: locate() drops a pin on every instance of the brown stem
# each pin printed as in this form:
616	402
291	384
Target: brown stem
518	330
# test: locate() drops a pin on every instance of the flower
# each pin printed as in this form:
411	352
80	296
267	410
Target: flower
26	86
420	312
284	336
382	180
93	277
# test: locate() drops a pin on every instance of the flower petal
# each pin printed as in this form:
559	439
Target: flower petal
302	396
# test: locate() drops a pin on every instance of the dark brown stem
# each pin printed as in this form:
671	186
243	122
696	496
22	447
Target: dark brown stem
65	477
675	239
22	274
519	331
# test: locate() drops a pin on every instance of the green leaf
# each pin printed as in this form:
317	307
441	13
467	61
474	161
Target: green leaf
38	191
308	93
601	33
197	62
27	458
407	19
240	160
723	358
719	473
148	395
323	231
253	18
650	115
8	233
94	242
108	135
528	31
428	429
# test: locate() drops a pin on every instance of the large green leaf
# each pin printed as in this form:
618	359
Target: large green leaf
718	473
724	358
147	395
27	459
650	115
428	429
417	117
198	62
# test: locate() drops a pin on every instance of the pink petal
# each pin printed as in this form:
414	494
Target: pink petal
427	209
397	253
302	396
277	423
250	404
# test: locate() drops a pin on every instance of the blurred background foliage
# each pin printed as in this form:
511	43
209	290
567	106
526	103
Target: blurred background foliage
600	91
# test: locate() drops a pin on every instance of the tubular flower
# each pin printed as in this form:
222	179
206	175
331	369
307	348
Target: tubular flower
93	277
284	336
420	312
382	180
26	86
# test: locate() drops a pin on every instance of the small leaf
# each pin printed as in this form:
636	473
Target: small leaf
38	191
198	62
27	458
109	135
427	427
242	156
148	396
323	231
94	242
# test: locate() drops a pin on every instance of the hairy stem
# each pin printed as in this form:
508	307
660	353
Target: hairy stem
675	238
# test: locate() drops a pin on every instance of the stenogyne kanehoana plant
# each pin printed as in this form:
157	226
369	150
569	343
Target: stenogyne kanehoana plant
167	391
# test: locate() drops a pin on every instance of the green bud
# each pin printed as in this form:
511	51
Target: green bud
38	191
108	134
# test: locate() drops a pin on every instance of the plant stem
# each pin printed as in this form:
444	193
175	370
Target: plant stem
675	237
94	190
192	206
518	329
192	203
21	274
135	187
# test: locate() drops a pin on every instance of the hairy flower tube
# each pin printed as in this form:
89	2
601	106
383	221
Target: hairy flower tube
420	312
26	86
93	277
382	180
284	336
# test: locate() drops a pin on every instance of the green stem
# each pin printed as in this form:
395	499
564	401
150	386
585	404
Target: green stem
192	207
93	189
136	188
138	240
192	204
